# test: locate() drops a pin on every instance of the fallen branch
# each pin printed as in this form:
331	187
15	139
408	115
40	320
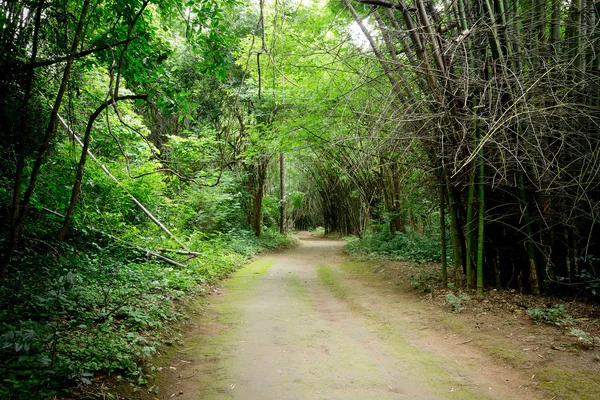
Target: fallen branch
59	215
190	376
160	257
185	253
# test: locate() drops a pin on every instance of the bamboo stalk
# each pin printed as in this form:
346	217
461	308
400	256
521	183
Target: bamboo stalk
456	257
577	50
469	228
480	227
533	264
443	232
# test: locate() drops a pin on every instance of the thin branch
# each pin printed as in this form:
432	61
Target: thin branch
8	70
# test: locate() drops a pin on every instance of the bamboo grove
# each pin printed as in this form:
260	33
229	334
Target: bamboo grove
502	97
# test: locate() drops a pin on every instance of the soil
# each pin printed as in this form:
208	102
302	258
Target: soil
307	323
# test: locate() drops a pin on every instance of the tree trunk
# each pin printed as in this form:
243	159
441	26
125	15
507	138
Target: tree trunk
261	176
443	232
480	227
456	258
21	210
82	160
533	264
282	205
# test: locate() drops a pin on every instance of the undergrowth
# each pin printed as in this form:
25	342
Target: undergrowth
456	301
72	315
555	315
397	246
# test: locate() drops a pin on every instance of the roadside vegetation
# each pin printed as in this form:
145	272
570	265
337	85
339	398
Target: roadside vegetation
90	308
399	246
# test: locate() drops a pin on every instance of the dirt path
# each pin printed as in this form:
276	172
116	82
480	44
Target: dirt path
300	325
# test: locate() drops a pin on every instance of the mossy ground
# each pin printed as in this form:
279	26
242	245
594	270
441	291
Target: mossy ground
570	385
556	380
433	371
206	351
292	324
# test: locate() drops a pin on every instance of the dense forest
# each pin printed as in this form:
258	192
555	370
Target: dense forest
149	148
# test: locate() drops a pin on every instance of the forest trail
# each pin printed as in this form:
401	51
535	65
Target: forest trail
306	324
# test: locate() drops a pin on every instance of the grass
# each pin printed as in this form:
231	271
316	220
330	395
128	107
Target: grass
242	281
356	269
330	279
568	385
255	269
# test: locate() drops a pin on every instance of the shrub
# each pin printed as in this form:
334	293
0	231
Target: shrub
424	280
456	301
587	340
319	231
556	315
399	246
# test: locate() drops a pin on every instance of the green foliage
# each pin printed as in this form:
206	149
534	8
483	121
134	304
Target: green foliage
589	277
98	312
424	280
399	246
319	231
98	307
556	315
456	301
586	340
208	209
270	210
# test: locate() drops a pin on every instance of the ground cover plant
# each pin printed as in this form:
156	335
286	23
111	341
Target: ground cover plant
399	246
96	308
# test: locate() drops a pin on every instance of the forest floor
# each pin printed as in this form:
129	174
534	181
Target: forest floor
307	323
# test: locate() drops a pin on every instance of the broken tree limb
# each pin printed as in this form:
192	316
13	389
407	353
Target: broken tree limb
111	176
465	342
161	257
185	253
49	211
